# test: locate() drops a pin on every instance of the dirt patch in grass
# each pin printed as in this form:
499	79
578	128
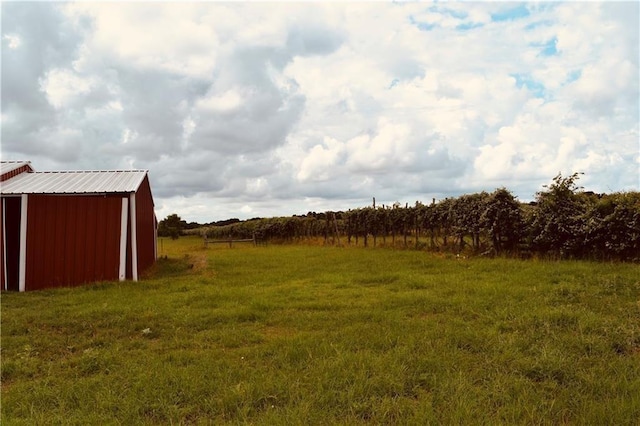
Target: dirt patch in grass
199	261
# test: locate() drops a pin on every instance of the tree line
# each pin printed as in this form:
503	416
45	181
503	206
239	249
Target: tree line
563	222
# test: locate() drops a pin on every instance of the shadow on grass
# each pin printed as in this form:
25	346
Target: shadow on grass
170	267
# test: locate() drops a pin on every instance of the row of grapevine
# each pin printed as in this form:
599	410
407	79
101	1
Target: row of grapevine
563	222
470	222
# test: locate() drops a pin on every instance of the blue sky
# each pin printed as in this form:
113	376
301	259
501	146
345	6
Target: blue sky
511	13
255	109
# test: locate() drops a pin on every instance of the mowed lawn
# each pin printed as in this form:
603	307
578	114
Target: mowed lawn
324	335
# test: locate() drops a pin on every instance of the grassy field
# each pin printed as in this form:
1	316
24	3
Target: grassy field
321	335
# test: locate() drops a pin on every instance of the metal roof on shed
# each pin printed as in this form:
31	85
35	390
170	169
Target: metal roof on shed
9	166
76	182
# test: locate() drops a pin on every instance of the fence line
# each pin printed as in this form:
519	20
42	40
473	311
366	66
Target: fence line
230	241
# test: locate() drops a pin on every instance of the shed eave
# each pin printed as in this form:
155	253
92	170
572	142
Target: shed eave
75	183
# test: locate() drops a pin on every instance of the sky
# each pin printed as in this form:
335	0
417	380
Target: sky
254	109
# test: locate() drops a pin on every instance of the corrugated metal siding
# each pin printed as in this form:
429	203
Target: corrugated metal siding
72	240
146	226
86	182
9	169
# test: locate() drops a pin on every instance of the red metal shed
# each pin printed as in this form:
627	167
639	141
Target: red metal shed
70	228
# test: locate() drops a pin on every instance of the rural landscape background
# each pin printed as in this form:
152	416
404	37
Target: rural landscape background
369	213
564	221
456	312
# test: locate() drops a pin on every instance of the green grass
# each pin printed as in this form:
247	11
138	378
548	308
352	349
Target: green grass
320	335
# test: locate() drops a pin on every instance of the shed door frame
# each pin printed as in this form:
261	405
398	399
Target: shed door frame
134	237
23	242
5	276
14	228
124	220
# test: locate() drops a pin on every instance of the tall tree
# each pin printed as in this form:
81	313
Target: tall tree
171	226
558	221
502	220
